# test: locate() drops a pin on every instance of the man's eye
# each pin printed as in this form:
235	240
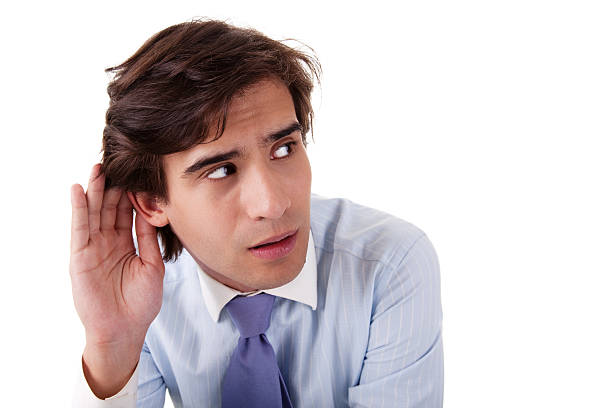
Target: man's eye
284	150
221	172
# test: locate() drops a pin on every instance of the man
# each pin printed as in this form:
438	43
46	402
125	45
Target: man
261	294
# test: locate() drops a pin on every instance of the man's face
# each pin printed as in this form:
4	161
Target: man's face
259	190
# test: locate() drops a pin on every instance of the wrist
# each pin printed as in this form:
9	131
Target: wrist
108	367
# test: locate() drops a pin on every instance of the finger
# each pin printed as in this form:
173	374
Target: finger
95	192
79	232
125	214
148	247
109	208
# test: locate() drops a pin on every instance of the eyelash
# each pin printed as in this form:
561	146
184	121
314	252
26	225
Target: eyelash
291	144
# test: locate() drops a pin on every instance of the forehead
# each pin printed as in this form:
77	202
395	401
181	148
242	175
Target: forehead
266	104
260	109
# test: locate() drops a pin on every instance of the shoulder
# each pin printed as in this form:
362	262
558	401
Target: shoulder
340	225
384	258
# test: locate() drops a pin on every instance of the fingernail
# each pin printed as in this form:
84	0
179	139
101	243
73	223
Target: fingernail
95	170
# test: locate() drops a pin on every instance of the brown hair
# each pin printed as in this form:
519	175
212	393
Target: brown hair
174	93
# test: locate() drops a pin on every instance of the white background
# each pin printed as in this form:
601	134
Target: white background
487	124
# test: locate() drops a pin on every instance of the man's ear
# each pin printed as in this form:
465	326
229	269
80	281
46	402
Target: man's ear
148	207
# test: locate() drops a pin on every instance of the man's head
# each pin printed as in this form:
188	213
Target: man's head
206	129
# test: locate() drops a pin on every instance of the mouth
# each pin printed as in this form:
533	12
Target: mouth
275	247
274	240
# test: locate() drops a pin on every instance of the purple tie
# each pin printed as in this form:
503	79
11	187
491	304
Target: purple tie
253	379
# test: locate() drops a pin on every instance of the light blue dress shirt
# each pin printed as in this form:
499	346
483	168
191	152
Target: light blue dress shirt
372	338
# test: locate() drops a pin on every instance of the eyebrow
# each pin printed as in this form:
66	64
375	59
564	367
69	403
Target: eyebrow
232	154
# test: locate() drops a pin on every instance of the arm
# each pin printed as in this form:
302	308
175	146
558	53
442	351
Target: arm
403	364
149	393
84	397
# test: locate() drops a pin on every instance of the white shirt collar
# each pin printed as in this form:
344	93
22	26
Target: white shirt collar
302	289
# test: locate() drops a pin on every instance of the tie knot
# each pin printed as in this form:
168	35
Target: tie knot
251	314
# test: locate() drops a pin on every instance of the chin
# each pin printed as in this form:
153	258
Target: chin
284	272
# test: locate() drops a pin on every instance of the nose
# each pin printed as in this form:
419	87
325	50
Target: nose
263	194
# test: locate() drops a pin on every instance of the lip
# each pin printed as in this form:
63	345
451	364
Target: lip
275	238
275	249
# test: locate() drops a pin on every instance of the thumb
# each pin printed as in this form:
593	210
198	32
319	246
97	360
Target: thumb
148	246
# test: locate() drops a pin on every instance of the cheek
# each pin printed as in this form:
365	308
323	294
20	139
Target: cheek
189	217
210	237
305	177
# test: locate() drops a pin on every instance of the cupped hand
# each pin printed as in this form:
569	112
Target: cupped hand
117	292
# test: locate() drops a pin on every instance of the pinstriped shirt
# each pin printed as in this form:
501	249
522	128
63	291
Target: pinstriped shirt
363	330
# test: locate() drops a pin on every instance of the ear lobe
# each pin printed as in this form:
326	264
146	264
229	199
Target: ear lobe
148	208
